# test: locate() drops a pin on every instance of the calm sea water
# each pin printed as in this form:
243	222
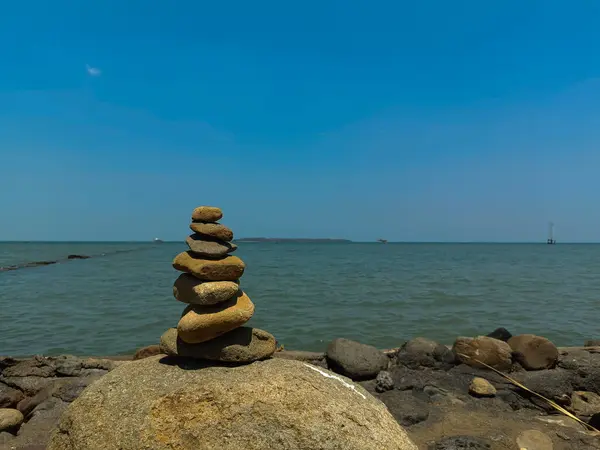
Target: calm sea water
305	294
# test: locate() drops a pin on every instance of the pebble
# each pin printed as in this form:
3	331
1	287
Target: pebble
10	419
481	387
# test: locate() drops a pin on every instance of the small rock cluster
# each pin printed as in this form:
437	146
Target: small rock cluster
211	326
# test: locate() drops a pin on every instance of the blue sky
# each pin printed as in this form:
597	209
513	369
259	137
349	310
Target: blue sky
417	121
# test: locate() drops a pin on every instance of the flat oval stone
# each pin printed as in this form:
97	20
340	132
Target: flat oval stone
229	268
189	289
215	230
10	419
208	247
207	214
242	345
203	323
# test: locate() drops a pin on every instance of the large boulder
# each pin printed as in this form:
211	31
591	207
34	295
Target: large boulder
355	360
487	350
534	352
166	403
421	352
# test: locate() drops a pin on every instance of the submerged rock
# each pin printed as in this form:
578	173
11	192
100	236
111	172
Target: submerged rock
274	404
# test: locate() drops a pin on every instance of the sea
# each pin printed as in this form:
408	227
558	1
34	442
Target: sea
305	294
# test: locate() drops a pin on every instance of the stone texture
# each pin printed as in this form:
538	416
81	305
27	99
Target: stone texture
210	248
384	381
9	397
207	214
480	387
189	289
534	352
501	334
314	358
145	352
229	268
275	404
203	323
490	351
242	345
10	419
213	230
585	403
461	443
28	385
355	360
534	440
422	352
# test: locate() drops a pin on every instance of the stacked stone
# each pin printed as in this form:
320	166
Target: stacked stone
211	326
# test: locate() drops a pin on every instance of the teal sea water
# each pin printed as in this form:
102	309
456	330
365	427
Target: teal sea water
305	294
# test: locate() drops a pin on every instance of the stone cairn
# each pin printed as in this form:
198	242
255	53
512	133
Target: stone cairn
211	326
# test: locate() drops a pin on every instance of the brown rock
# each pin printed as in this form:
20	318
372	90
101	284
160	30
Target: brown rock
203	323
534	352
214	230
189	289
9	397
10	419
276	404
227	269
207	247
145	352
480	387
534	440
493	352
207	214
242	345
585	403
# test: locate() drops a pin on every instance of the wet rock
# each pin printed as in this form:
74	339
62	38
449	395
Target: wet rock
480	387
407	409
461	443
533	352
384	382
493	352
585	403
10	419
9	397
422	352
78	257
355	360
145	352
502	334
534	440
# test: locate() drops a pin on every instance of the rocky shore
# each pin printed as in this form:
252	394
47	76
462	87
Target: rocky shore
445	398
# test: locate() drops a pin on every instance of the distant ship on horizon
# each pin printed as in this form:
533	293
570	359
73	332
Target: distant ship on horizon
383	241
551	240
157	241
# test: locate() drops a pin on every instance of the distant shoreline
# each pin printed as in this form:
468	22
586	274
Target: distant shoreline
300	240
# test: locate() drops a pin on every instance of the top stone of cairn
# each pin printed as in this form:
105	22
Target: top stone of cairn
207	214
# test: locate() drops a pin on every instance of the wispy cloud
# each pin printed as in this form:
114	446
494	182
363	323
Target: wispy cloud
93	71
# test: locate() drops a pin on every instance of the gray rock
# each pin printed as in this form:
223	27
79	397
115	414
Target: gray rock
554	384
384	381
9	397
209	247
407	409
70	389
314	358
28	385
461	443
35	433
273	404
27	405
355	360
421	352
68	366
34	367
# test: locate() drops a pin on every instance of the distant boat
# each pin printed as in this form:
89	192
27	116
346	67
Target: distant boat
383	241
551	240
158	241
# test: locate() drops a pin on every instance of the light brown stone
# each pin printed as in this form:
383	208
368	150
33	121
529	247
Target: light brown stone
10	419
242	345
189	289
534	440
229	268
585	403
276	404
209	247
493	352
203	323
207	214
480	387
534	352
214	230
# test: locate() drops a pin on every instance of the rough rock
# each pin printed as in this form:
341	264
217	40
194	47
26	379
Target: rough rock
534	440
384	381
34	434
242	345
9	397
461	443
534	352
592	343
145	352
69	389
274	404
27	405
28	385
207	214
407	409
189	289
203	323
213	230
67	366
554	384
10	419
502	334
422	352
355	360
481	387
35	367
493	352
210	248
314	358
229	268
585	403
